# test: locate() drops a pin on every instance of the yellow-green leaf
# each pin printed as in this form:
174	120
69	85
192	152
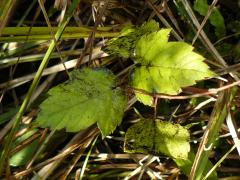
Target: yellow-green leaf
149	136
165	67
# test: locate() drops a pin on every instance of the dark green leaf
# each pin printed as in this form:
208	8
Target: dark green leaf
216	18
8	115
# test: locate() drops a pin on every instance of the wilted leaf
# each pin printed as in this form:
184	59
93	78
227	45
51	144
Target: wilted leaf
149	136
91	96
165	67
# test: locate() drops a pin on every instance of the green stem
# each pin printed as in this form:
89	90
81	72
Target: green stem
219	162
5	8
99	34
8	144
8	31
86	159
218	115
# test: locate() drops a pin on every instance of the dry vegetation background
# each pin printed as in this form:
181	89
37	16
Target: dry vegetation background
27	29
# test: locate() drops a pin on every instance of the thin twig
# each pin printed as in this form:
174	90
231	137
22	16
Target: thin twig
209	92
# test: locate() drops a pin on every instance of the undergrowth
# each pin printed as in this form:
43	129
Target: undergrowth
119	89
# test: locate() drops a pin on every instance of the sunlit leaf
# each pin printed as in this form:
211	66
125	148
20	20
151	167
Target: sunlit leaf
125	43
165	67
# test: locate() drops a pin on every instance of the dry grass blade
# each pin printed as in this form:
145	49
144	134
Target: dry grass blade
82	139
143	166
219	162
8	144
5	12
164	21
91	37
208	43
53	69
41	3
200	108
86	159
233	130
217	117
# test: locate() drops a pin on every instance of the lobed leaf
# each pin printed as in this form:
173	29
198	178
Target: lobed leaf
90	97
165	67
125	43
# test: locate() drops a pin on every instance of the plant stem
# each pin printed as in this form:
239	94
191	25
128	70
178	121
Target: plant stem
218	115
16	34
8	144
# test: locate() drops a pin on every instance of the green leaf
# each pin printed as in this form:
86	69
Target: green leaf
216	19
91	96
153	137
8	115
24	155
165	67
149	136
125	43
186	165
